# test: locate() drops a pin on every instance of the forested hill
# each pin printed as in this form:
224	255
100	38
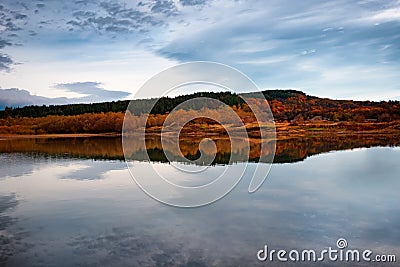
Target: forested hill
285	105
164	104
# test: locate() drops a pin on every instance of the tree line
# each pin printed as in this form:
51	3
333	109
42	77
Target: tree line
286	105
138	106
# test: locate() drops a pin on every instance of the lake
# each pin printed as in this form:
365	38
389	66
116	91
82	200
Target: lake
71	201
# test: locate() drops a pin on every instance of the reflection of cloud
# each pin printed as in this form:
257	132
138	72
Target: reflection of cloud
94	170
15	165
353	186
12	241
306	205
19	165
6	202
136	248
23	164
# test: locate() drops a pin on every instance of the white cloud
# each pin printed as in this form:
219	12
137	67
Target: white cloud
391	14
306	52
352	81
311	45
121	69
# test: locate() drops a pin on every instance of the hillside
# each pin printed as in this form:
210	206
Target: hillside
286	105
294	113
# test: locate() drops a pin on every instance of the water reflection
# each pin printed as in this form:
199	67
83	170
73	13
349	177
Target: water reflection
10	240
288	149
110	221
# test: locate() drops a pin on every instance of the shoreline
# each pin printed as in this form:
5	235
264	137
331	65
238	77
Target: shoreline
288	148
279	134
283	130
77	135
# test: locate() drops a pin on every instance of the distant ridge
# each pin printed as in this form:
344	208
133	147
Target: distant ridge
285	104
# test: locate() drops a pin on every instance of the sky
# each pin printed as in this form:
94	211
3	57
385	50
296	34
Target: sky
55	51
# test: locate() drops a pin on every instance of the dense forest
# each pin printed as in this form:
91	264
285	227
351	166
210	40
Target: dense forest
300	106
291	106
286	105
163	105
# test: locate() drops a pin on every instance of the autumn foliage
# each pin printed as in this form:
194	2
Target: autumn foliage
300	107
287	106
85	123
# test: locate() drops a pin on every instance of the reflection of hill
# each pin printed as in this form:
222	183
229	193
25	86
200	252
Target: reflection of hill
287	150
93	147
297	149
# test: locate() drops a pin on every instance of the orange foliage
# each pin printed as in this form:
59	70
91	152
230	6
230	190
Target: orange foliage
85	123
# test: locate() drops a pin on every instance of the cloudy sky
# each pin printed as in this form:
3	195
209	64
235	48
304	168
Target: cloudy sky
55	51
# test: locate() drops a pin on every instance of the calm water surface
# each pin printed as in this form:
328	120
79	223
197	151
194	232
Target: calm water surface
63	211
